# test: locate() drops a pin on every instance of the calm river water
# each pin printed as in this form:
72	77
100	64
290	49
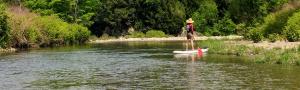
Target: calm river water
138	65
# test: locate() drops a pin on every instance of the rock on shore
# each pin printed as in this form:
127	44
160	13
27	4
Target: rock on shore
7	50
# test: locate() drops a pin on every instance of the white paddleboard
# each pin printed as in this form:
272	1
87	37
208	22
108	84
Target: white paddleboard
190	51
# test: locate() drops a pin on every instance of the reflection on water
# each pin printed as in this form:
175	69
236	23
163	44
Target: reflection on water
190	68
138	65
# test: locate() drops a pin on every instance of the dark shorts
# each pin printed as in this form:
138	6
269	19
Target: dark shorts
189	36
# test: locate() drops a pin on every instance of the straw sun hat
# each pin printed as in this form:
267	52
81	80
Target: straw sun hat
190	20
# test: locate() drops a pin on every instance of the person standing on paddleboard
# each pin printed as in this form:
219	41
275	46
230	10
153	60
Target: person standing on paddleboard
190	33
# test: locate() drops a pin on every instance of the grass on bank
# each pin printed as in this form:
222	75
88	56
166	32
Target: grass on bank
280	56
221	47
261	55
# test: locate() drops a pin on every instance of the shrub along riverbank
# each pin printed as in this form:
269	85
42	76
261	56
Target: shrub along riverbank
24	29
257	54
4	29
280	25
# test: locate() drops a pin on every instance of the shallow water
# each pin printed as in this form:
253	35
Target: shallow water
138	65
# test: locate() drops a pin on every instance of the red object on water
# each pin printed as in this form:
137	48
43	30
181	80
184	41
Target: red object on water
200	53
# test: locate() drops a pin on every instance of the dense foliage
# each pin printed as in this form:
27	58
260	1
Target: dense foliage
224	27
274	25
31	30
256	19
256	35
79	11
114	17
275	22
205	16
292	30
4	29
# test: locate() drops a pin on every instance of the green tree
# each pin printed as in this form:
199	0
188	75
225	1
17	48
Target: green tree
191	6
116	16
276	4
292	30
275	22
247	10
224	27
168	16
205	16
75	11
223	6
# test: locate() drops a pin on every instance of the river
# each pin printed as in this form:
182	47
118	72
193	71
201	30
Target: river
138	65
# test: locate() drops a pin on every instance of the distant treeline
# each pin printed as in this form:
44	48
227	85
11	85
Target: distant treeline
116	16
254	19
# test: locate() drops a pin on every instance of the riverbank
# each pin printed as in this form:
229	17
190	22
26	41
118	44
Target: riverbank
282	44
236	40
267	45
165	39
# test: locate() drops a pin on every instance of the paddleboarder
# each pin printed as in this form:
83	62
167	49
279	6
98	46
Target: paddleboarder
190	33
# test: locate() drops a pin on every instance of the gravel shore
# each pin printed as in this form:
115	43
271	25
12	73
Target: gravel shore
164	39
264	44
